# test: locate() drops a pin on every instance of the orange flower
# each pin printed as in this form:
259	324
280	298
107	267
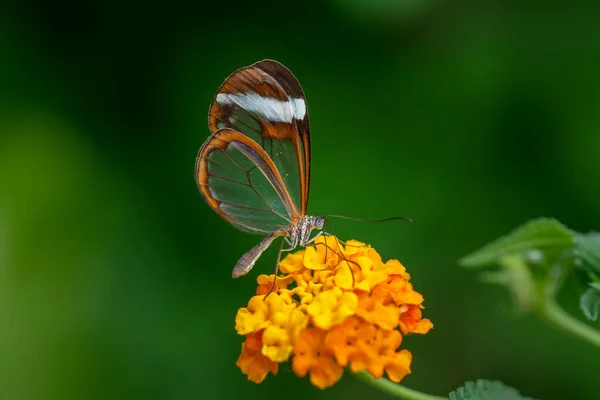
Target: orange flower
334	307
252	362
311	356
374	308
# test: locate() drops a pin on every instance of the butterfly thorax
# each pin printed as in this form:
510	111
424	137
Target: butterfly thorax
299	234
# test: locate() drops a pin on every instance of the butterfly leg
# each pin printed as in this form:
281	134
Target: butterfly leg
277	267
288	241
281	249
341	254
310	241
343	242
340	240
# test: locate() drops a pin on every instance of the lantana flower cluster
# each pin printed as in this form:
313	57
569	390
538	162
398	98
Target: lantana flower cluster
333	307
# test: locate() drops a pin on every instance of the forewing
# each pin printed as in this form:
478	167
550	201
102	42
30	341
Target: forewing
240	182
266	103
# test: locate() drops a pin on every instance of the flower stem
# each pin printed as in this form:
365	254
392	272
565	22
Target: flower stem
558	317
394	389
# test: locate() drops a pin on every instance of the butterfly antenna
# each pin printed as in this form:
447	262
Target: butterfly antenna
370	220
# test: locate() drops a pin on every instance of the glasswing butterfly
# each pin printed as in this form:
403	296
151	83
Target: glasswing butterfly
254	169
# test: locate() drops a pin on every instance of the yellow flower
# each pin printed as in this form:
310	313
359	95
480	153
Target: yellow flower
334	307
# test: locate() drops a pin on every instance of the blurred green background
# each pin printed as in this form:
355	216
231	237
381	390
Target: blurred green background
470	117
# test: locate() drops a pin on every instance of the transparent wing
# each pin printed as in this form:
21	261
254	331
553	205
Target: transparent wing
240	182
266	103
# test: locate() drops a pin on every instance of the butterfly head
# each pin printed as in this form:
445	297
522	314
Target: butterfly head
319	223
301	232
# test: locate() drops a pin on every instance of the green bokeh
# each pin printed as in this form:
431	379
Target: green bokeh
115	275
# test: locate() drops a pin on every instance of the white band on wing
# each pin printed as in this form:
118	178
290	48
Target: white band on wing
272	109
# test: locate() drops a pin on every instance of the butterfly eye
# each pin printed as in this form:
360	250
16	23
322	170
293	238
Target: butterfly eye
319	222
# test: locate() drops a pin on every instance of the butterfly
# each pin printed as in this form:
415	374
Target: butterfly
254	169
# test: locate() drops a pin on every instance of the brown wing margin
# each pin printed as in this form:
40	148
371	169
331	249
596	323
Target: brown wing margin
268	79
220	140
292	87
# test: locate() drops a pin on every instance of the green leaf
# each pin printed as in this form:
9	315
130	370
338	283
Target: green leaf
595	285
590	302
587	249
539	234
486	390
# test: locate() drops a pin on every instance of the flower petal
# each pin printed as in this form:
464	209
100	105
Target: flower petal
312	357
332	307
252	362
